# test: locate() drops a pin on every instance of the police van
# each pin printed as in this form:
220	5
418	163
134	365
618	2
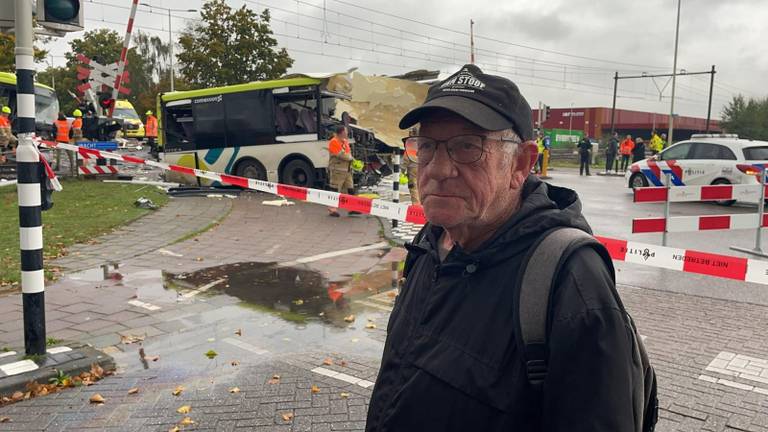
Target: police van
704	159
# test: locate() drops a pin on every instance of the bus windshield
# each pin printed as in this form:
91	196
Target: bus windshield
46	105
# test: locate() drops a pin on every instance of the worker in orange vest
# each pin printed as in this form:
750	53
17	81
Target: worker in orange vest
625	148
61	132
411	169
150	131
7	140
340	165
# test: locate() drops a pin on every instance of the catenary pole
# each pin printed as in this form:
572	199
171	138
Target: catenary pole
671	131
28	187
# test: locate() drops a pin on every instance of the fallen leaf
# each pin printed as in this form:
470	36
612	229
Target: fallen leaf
370	325
17	396
184	409
174	429
211	354
328	361
133	390
287	416
349	318
298	302
239	332
235	363
5	419
151	358
315	389
177	391
343	363
97	398
199	259
344	395
274	380
186	421
129	339
391	294
234	390
96	371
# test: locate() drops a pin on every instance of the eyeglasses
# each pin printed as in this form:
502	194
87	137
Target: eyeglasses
463	149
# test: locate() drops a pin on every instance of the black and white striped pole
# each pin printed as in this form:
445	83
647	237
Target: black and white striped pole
396	181
28	187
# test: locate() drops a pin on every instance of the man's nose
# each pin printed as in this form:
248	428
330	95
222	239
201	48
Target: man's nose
441	166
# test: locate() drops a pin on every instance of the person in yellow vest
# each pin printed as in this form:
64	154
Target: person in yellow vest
75	135
656	144
540	147
663	141
61	132
150	131
340	165
7	140
411	170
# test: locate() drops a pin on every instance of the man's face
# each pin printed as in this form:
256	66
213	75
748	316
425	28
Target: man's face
455	194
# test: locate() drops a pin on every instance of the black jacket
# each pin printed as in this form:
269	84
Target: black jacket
585	146
613	146
638	152
451	362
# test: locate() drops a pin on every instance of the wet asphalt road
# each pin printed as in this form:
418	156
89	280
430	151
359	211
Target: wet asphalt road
607	204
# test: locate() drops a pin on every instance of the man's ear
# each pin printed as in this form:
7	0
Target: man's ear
527	154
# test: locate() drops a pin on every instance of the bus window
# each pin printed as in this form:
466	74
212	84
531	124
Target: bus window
179	127
295	112
210	125
249	118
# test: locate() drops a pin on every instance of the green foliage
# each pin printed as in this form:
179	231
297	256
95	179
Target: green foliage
8	56
230	47
748	118
52	341
146	60
61	379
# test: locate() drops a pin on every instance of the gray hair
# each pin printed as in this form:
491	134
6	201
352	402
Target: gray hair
511	144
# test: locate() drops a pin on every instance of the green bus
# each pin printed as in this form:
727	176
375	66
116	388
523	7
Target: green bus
268	130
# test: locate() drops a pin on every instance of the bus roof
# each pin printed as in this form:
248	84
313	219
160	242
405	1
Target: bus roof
237	88
10	78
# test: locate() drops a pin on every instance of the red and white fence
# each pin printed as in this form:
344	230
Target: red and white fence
698	193
697	223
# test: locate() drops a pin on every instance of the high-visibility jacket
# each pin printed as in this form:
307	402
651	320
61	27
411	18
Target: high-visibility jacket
540	145
150	129
340	154
62	131
4	122
626	146
5	131
656	143
77	128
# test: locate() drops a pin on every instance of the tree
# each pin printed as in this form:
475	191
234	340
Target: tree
8	55
748	118
230	47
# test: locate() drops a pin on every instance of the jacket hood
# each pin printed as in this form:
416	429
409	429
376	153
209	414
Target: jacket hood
543	207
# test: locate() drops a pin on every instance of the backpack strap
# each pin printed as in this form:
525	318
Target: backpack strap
538	273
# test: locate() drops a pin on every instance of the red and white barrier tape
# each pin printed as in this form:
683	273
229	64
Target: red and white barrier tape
747	192
621	250
689	261
97	169
375	207
697	223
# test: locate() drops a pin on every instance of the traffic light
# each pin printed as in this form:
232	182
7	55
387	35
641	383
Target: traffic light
61	15
547	112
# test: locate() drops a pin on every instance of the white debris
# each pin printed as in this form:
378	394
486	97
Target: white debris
278	203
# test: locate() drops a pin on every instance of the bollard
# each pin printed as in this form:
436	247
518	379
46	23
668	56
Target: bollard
758	249
28	187
396	181
668	184
544	163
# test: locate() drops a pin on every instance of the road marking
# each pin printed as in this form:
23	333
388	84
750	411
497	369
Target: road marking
741	366
202	289
343	377
272	250
313	258
18	367
59	350
374	305
246	346
7	354
141	304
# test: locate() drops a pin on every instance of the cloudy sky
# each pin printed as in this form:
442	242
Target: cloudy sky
560	52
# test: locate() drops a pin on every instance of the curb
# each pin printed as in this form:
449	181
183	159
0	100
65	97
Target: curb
73	362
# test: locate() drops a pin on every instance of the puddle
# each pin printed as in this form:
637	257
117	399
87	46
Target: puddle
147	285
294	294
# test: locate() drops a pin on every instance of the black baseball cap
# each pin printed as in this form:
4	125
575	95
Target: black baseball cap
491	102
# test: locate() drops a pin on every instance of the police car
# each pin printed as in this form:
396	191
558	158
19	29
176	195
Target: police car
705	159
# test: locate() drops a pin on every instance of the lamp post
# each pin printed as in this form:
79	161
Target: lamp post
170	34
674	75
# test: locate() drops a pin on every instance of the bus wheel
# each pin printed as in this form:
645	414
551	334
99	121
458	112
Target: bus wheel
251	169
298	173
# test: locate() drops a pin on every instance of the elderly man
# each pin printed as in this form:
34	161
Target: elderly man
452	360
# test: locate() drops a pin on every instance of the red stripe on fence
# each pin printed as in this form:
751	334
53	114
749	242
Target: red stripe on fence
714	222
617	248
648	225
294	192
716	192
133	159
650	194
353	203
715	265
235	180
